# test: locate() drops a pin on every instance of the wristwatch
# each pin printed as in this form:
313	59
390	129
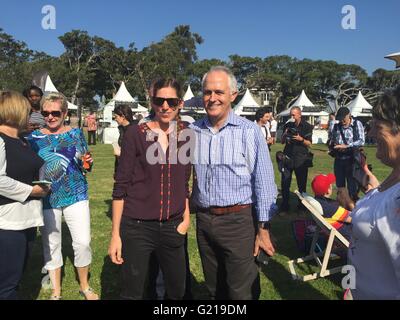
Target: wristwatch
266	225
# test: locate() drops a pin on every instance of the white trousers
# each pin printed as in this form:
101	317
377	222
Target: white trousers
77	217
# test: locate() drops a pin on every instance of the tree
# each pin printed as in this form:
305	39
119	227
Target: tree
243	67
13	55
197	70
83	55
382	80
171	57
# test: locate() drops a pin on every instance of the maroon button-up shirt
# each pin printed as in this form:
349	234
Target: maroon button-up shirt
150	191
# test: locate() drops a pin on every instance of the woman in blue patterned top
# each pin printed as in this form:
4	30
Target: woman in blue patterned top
66	161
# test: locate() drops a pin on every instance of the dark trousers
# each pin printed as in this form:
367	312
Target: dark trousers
91	137
139	240
226	245
14	251
151	288
343	172
286	179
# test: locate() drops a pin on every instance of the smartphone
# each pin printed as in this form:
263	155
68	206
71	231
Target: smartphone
262	257
42	182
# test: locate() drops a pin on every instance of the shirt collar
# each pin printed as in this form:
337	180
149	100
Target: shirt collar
232	119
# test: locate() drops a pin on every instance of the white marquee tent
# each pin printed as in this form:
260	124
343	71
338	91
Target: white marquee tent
302	101
50	87
188	94
192	103
247	106
359	107
122	96
306	106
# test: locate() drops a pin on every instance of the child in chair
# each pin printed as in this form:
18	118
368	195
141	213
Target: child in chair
336	212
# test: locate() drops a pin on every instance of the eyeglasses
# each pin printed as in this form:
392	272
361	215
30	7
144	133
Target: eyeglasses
53	113
172	102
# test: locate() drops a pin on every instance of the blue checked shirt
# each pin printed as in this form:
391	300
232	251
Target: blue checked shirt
233	166
348	134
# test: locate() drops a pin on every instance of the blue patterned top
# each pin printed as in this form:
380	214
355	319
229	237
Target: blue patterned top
62	154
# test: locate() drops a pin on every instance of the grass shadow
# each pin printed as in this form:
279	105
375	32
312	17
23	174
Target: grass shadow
108	202
109	279
289	289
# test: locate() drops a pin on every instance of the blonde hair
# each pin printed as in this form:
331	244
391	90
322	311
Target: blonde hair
14	109
53	97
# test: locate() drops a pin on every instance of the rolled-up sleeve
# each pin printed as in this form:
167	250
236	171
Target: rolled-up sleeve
126	164
263	181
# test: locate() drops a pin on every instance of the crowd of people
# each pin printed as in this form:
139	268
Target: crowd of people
44	163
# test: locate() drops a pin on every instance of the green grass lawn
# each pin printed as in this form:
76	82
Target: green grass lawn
276	281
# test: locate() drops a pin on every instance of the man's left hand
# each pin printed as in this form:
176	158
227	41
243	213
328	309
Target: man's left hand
340	146
263	241
298	138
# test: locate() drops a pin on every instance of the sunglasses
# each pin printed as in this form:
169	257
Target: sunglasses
172	102
53	113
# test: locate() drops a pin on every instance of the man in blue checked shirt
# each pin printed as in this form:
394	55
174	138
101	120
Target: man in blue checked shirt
234	192
347	135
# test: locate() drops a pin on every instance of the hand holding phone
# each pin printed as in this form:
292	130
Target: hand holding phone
40	190
262	257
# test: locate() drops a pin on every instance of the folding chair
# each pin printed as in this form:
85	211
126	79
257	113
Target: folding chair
322	225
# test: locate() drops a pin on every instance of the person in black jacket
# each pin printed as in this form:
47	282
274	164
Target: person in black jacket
124	117
297	137
20	198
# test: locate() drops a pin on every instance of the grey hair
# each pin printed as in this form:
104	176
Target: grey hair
55	96
295	108
231	77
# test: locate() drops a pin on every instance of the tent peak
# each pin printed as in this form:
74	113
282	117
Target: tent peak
188	94
123	94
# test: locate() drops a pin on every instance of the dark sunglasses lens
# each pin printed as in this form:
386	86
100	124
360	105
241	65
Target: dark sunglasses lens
53	113
158	101
172	102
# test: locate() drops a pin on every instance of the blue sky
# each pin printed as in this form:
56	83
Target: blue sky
303	29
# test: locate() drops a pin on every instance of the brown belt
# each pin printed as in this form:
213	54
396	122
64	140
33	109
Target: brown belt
225	210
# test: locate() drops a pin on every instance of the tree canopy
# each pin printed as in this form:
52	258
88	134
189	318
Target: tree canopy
91	65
